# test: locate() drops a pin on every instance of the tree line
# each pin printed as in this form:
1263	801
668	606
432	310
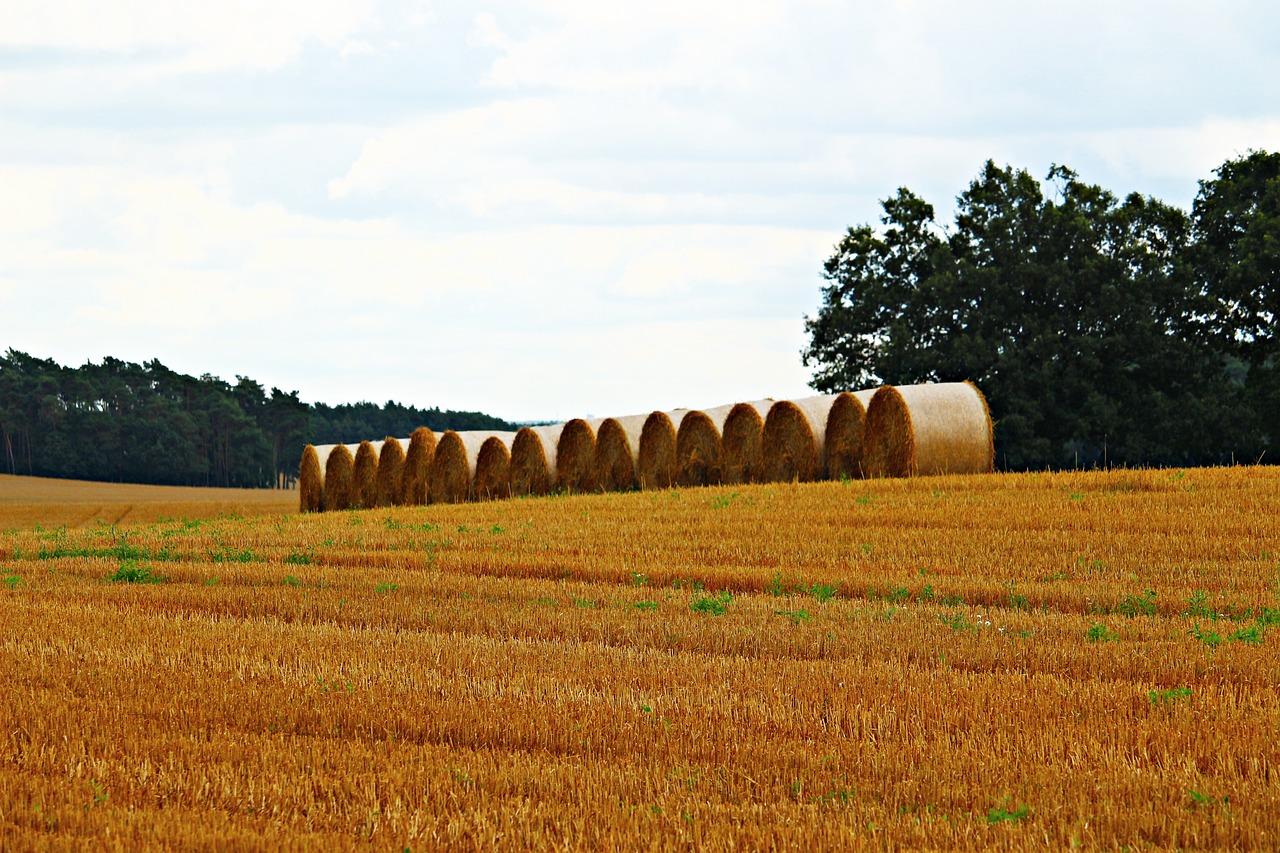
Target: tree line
1103	330
144	423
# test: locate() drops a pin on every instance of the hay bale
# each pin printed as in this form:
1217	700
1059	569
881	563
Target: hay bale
339	479
698	450
575	458
618	452
417	467
365	476
740	442
310	482
843	437
390	473
657	462
942	428
492	478
529	473
449	481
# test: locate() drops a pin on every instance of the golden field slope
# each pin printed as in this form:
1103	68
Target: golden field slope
1008	661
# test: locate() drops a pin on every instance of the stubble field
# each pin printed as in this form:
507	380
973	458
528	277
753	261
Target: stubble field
1077	659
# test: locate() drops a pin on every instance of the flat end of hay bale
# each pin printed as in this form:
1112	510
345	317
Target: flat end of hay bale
657	468
740	445
788	447
310	481
390	472
339	479
450	477
365	477
417	467
615	458
889	448
575	458
843	438
697	450
493	470
529	472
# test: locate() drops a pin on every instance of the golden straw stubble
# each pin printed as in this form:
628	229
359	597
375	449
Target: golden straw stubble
310	482
339	479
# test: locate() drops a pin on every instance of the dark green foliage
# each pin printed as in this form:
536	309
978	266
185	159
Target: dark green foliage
1102	330
144	423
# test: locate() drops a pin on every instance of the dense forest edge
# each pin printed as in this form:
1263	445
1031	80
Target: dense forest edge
143	423
1103	330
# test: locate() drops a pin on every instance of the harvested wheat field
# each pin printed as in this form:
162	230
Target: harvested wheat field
960	662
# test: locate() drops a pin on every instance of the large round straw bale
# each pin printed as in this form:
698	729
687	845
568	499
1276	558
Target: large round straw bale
390	472
697	451
657	467
450	477
417	466
575	458
529	473
617	452
492	479
310	482
843	439
365	476
943	428
791	445
740	442
339	479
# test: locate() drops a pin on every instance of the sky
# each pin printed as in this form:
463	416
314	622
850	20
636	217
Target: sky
549	209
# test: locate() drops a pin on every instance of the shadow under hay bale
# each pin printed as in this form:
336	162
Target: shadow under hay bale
740	442
843	438
492	480
575	458
365	477
390	473
310	482
529	473
657	466
417	467
339	479
942	428
616	452
697	451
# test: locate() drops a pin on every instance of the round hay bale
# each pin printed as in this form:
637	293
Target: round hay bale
310	482
697	451
843	437
788	447
492	480
942	428
390	473
575	458
529	473
740	442
450	477
417	466
365	477
617	451
339	479
657	466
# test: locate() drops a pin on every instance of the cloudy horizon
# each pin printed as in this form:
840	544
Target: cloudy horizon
545	210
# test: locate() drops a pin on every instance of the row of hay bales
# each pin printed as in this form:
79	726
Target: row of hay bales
892	431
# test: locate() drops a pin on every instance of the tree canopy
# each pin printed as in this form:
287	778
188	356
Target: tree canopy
1103	330
144	423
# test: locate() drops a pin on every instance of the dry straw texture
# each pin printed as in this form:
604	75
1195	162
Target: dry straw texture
530	474
492	480
615	460
697	451
843	437
310	482
740	442
657	467
390	472
450	477
575	458
928	429
365	476
789	450
339	479
417	467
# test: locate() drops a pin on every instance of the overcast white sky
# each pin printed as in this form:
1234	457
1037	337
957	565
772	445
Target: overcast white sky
553	208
